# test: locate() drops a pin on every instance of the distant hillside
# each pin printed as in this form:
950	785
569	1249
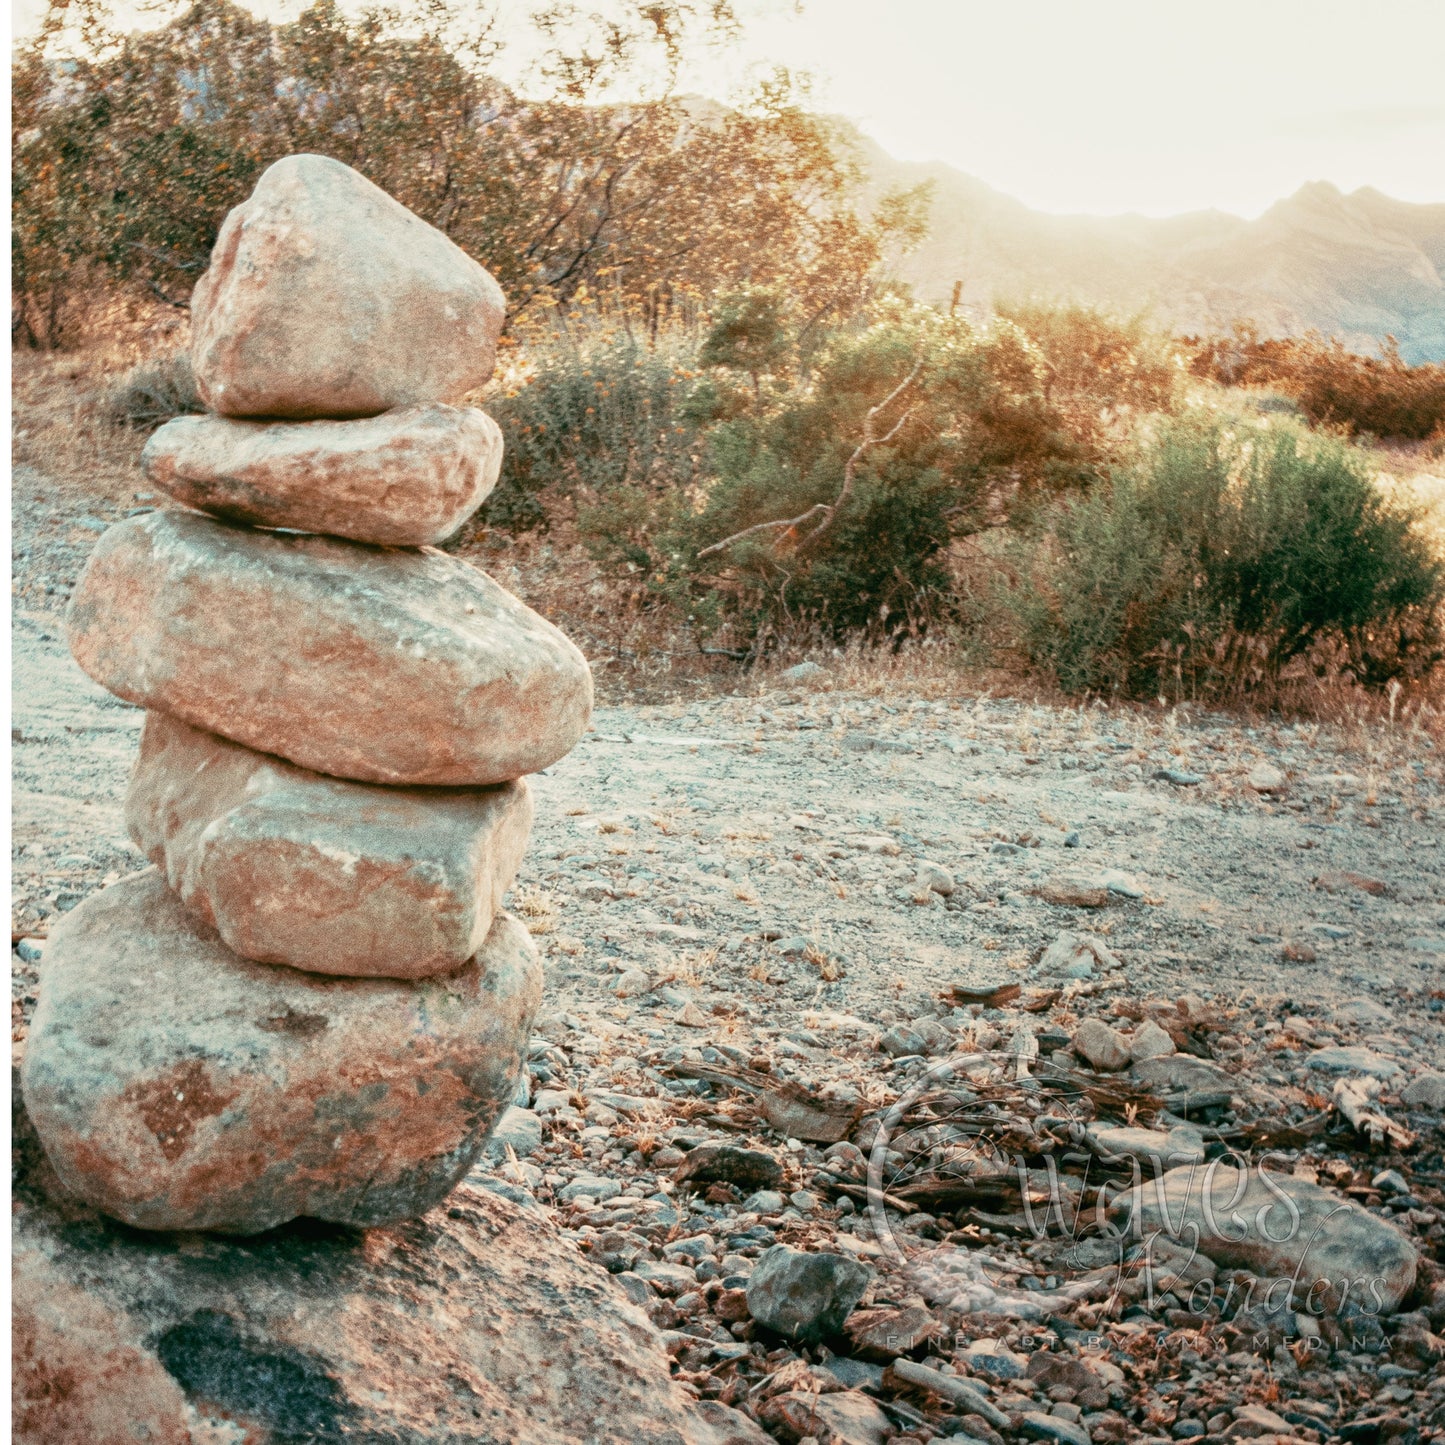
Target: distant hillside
1359	266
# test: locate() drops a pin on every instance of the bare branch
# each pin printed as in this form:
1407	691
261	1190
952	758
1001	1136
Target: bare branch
829	510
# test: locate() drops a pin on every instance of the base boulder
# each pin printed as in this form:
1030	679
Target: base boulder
477	1324
177	1086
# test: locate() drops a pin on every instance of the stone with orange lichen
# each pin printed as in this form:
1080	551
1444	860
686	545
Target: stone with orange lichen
406	478
290	866
177	1086
327	298
381	665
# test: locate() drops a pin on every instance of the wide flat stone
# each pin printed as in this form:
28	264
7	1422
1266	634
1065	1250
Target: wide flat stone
366	663
291	866
1299	1238
475	1324
176	1086
406	478
327	298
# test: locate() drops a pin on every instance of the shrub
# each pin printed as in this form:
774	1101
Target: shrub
1364	395
1225	551
598	412
980	433
149	395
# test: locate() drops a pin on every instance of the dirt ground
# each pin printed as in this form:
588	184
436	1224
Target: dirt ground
707	839
787	876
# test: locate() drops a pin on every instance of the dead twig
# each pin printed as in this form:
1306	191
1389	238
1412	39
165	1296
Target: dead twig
828	511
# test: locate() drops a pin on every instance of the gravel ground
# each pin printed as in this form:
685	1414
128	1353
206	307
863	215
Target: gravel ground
785	884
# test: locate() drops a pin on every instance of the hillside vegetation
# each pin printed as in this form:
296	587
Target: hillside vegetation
732	433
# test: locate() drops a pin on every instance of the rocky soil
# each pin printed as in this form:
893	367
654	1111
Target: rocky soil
766	916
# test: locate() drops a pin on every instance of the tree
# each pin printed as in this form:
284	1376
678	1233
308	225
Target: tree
129	149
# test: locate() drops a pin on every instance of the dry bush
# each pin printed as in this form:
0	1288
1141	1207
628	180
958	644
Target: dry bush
1363	395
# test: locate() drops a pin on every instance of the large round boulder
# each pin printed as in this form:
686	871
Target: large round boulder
177	1086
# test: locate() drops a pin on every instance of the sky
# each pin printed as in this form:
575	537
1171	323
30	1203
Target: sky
1109	106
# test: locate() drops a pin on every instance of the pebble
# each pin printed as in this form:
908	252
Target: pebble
1150	1042
1353	1060
1103	1047
805	1296
1426	1091
1266	778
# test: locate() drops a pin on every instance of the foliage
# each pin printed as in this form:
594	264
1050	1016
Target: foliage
151	394
1222	553
749	333
1365	395
779	506
130	149
597	413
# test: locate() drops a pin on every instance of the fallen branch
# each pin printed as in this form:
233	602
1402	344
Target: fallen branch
828	511
1353	1097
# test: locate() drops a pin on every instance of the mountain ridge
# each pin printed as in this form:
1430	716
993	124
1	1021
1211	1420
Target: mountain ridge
1360	265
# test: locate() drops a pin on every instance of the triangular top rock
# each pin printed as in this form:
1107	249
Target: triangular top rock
327	298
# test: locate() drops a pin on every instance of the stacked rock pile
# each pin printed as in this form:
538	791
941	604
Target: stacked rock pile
313	1004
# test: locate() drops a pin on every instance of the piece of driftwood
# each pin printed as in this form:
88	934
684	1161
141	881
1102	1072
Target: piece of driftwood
1354	1098
992	996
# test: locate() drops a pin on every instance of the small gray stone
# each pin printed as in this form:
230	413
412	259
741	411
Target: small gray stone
589	1187
805	1296
1150	1041
765	1201
1353	1060
1427	1091
903	1040
1103	1047
634	981
936	877
1054	1427
520	1128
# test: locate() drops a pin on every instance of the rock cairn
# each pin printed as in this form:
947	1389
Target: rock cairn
313	1003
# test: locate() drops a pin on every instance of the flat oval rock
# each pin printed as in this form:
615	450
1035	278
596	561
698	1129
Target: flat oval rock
176	1086
327	298
293	867
362	662
406	478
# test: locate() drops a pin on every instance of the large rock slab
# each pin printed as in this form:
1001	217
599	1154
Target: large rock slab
176	1086
476	1324
1300	1239
406	478
382	666
327	298
290	866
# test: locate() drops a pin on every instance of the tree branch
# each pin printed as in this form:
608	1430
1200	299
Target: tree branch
829	510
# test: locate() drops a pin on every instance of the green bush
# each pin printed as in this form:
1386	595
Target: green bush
149	395
599	412
980	433
1224	551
